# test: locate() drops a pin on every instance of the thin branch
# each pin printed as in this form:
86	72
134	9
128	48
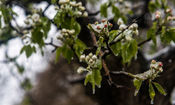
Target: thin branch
52	44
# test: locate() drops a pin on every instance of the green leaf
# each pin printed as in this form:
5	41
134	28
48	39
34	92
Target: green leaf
26	84
159	88
37	37
116	48
77	28
79	47
116	12
137	83
152	33
46	25
129	50
152	6
28	51
112	35
103	9
67	53
22	49
58	53
20	68
169	35
97	77
151	92
88	78
53	1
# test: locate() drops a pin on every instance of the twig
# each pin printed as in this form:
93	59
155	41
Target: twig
53	45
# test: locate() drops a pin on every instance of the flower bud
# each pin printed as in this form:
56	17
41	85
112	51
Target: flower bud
110	24
81	70
63	1
135	26
103	20
160	64
79	13
136	32
87	58
98	27
81	8
153	62
82	58
128	38
120	21
90	55
91	61
79	4
85	14
158	14
169	10
72	31
105	25
35	17
122	26
64	30
73	3
94	57
169	18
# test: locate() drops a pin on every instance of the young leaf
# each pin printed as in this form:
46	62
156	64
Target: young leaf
97	77
152	33
103	9
151	92
159	88
137	83
67	53
116	12
79	47
28	51
116	48
88	78
129	50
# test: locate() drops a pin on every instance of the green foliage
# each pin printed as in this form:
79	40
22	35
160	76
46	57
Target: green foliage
129	50
116	48
137	83
66	51
159	88
28	49
151	92
79	47
26	84
95	78
152	33
104	9
153	6
167	35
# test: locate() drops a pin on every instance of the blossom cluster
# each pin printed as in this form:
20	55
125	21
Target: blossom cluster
76	8
33	19
128	32
91	60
